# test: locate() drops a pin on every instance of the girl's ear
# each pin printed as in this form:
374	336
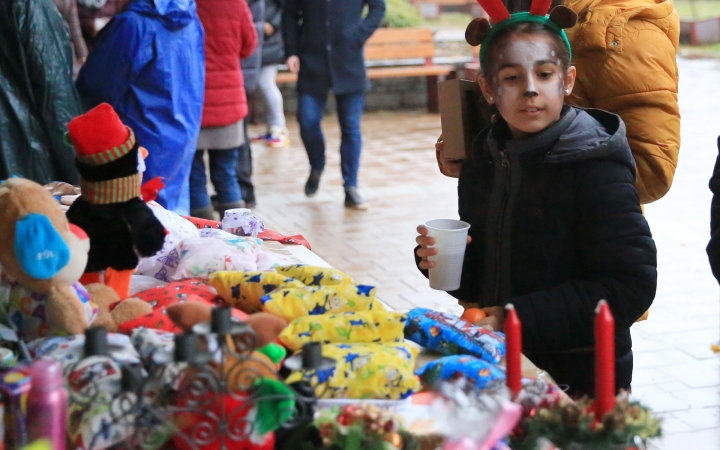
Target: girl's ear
486	89
570	80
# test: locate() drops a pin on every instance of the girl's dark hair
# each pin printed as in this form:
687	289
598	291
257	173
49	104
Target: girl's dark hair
561	50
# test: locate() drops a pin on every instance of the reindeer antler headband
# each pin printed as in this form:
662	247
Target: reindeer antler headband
480	32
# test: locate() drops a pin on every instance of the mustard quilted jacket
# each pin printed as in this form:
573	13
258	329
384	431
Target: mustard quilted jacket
625	54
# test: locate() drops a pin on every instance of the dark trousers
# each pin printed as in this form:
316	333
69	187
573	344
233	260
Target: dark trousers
244	168
576	371
349	110
222	175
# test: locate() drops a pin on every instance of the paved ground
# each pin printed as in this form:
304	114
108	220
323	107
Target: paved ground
676	373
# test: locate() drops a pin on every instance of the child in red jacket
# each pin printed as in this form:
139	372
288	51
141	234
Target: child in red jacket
229	36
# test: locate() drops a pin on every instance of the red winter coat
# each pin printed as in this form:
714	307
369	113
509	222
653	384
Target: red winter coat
229	36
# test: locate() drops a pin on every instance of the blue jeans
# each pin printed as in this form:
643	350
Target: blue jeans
349	110
223	175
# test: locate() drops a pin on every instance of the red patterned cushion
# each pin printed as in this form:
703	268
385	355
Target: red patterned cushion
190	290
204	223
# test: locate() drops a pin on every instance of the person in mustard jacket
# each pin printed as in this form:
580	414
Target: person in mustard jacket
624	52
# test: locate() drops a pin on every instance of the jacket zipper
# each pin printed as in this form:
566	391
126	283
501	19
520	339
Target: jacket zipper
505	162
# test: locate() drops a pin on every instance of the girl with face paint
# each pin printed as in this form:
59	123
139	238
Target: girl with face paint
556	226
528	81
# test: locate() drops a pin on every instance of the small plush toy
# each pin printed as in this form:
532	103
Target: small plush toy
122	228
42	257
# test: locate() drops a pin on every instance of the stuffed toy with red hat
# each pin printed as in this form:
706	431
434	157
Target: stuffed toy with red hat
121	227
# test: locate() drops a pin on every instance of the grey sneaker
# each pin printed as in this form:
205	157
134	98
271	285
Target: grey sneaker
313	182
207	213
353	199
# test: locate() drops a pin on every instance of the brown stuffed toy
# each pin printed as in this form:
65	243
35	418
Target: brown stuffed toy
42	257
262	363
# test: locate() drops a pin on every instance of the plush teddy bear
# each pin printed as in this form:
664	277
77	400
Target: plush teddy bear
42	257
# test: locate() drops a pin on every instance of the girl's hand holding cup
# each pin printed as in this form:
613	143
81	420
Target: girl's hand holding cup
442	249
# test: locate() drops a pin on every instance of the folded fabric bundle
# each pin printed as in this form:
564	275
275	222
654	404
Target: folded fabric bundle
364	371
345	328
243	290
25	308
160	298
91	383
450	335
212	251
315	275
449	368
293	303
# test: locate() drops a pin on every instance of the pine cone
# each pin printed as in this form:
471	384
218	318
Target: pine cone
570	415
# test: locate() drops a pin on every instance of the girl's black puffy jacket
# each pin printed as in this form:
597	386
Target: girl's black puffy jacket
556	226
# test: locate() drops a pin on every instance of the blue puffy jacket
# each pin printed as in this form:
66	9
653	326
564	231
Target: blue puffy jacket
149	64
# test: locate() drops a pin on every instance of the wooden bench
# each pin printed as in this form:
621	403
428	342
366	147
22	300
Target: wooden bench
432	9
399	45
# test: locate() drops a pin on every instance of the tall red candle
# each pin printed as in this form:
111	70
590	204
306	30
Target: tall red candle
513	349
604	360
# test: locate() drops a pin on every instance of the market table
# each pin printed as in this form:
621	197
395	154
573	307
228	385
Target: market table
300	254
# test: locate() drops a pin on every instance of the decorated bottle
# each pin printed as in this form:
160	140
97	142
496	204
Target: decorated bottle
47	404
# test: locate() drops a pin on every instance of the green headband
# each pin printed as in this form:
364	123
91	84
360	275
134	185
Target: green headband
522	17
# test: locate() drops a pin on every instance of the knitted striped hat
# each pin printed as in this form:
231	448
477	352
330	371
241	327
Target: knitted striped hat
107	156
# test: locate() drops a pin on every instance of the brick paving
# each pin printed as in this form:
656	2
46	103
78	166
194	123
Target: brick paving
675	371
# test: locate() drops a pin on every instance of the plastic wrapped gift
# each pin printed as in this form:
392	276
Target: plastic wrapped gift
474	419
242	222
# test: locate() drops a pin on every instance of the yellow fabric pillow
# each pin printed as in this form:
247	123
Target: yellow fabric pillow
293	303
314	275
345	328
243	290
365	371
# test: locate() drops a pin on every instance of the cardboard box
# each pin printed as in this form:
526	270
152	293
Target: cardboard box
460	115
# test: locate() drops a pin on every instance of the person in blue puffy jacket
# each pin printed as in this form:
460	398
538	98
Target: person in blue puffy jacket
149	64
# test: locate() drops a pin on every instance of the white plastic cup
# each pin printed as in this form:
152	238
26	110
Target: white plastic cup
450	241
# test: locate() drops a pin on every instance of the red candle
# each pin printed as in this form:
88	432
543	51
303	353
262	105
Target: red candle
513	349
604	360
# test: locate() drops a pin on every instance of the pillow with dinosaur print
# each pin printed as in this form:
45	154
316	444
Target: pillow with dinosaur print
345	328
314	275
365	371
293	303
243	290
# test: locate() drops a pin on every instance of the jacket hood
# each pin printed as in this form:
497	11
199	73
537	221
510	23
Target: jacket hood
579	135
592	134
173	14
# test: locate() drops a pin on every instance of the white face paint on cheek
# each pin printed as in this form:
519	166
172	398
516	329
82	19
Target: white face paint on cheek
522	55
